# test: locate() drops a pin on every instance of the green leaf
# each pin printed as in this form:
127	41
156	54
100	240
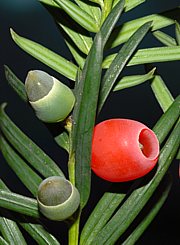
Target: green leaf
130	4
27	148
177	31
18	203
139	197
149	55
133	80
106	9
28	177
80	37
77	38
122	33
63	141
139	230
2	241
164	38
46	56
76	54
86	97
100	215
109	203
91	9
15	83
78	15
3	186
161	93
120	61
10	230
35	230
39	233
109	26
110	21
167	120
82	41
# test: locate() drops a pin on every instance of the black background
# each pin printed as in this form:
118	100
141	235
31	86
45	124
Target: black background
30	19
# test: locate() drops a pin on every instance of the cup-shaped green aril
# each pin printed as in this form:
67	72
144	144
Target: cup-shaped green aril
52	100
57	198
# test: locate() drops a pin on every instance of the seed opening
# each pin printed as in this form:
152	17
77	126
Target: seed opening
148	144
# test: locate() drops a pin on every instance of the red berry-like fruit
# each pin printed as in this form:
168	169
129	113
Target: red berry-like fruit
123	150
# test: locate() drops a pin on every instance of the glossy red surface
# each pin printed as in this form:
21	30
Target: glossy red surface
123	150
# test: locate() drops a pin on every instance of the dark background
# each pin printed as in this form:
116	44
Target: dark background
30	19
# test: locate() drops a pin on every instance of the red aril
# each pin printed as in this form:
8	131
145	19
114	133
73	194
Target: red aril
123	150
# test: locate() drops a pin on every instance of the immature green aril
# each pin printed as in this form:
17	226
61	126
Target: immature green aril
57	198
52	100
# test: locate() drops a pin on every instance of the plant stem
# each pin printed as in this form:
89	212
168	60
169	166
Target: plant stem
73	233
74	230
71	161
71	168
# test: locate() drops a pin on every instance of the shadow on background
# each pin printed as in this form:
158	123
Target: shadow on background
30	19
